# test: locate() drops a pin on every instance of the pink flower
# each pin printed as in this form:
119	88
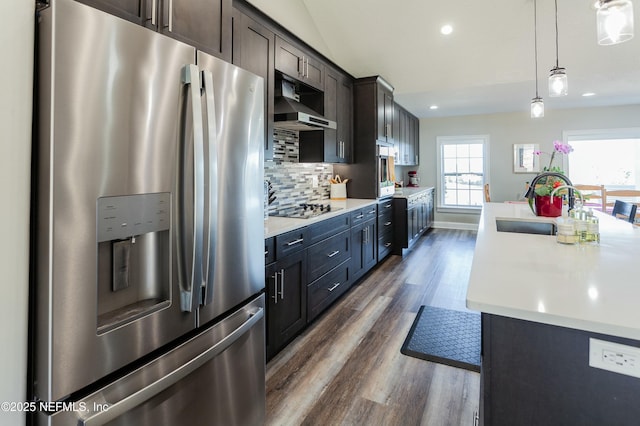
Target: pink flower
562	147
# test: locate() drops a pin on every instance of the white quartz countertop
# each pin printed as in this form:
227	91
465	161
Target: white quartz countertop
408	192
531	277
279	225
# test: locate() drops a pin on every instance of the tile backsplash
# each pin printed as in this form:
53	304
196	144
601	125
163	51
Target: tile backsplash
291	180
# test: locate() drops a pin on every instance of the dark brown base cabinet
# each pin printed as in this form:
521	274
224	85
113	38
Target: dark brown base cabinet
385	228
539	374
413	217
286	288
309	268
364	254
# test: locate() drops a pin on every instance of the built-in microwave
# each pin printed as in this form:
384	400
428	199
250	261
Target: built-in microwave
386	173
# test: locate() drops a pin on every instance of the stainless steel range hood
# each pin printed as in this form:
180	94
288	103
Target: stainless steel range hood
290	114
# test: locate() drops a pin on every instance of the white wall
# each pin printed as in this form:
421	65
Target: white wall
505	130
294	16
16	65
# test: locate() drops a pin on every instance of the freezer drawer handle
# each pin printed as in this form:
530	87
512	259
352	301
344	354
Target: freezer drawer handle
126	404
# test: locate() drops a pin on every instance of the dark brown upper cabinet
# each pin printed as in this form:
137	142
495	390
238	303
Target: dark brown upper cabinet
204	24
406	137
299	64
384	104
253	50
332	145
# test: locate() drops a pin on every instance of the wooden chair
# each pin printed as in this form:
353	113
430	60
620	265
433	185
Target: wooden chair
487	197
594	192
625	211
628	195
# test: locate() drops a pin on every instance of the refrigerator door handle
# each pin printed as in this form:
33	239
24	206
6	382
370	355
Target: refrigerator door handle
191	281
128	403
212	194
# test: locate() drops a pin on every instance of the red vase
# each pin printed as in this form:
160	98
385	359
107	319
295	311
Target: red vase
546	206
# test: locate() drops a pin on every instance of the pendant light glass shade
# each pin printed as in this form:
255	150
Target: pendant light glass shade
537	107
615	21
558	84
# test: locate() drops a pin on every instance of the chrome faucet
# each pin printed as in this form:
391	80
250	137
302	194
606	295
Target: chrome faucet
531	191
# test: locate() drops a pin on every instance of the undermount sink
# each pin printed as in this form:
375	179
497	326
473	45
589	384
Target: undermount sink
525	226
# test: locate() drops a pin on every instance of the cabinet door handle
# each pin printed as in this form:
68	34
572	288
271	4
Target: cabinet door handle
372	211
334	253
387	223
333	287
266	253
364	235
294	242
387	244
388	206
281	284
360	216
275	288
170	15
307	72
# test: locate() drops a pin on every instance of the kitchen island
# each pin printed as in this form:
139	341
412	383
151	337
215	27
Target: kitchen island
542	303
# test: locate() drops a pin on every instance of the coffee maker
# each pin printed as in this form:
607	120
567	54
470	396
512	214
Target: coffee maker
414	180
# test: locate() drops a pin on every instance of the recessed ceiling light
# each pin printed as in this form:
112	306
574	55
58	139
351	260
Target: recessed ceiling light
433	107
586	95
446	29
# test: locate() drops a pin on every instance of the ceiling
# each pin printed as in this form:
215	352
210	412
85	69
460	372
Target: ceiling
485	66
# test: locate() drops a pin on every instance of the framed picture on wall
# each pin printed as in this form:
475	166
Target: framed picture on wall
524	158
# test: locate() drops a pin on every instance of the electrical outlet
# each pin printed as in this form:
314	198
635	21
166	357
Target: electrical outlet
614	357
314	181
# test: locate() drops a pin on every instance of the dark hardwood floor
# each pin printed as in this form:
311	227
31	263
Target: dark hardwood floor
347	369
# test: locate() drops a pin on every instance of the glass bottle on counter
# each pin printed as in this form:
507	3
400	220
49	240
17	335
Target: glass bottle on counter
593	229
586	224
566	231
579	216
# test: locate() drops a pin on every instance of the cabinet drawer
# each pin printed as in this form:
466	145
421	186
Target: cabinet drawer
291	242
385	245
269	250
326	289
357	217
363	214
385	206
327	254
327	228
385	223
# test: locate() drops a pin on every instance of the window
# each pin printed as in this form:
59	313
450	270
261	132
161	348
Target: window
462	170
605	157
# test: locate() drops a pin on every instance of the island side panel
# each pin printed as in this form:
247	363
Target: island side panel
539	374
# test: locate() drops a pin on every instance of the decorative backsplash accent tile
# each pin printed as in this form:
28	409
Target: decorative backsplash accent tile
291	180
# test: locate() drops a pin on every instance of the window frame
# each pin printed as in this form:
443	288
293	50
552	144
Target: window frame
569	136
441	141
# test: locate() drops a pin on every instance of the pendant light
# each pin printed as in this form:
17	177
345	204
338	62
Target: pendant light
537	105
558	85
615	21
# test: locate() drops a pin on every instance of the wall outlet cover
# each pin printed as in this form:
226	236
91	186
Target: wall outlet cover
622	359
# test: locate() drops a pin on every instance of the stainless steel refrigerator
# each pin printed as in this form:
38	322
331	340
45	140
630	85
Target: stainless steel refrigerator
148	305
